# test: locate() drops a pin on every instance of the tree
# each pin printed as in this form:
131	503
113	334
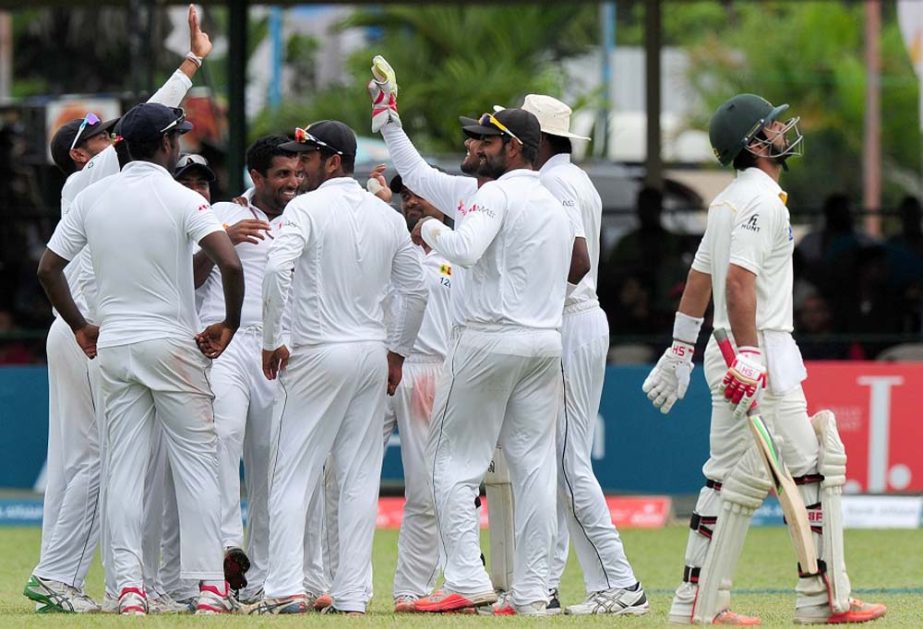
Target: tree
450	61
810	55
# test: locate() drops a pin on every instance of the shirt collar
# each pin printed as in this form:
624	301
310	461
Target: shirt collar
143	166
519	172
345	180
554	161
757	176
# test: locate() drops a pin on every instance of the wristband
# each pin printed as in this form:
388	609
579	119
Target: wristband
197	60
686	328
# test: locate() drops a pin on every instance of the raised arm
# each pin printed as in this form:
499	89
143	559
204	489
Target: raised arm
174	90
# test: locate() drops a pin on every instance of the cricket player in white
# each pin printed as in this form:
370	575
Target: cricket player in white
72	521
745	262
243	395
411	409
610	582
503	383
151	369
345	247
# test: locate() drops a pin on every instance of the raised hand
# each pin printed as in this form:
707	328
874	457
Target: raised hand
199	43
377	184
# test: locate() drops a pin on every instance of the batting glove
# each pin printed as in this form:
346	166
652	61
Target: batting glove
745	380
383	91
669	379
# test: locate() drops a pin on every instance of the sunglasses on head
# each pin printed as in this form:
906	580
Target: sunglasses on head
181	118
489	120
302	136
90	119
189	159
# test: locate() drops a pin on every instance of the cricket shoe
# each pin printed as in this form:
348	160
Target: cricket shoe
733	619
250	597
343	612
297	604
616	601
164	604
110	604
859	611
405	604
132	602
236	564
213	601
504	606
55	596
554	602
444	601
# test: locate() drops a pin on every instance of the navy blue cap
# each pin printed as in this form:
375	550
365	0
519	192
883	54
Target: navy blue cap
149	121
331	135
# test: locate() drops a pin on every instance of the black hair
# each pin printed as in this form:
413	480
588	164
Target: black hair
557	144
260	154
348	162
144	149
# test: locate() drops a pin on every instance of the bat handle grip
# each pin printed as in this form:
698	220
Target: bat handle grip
727	352
724	344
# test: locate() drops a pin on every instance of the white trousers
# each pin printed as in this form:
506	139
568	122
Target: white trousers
497	387
70	517
161	381
411	408
786	418
243	418
582	509
332	402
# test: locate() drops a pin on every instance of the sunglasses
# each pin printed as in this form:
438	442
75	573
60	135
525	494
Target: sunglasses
488	120
90	119
303	137
181	118
190	159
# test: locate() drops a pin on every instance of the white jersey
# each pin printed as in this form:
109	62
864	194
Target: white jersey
450	194
517	243
572	187
749	225
252	258
140	226
346	247
79	272
433	339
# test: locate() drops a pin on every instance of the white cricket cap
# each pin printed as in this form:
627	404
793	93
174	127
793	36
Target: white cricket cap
552	114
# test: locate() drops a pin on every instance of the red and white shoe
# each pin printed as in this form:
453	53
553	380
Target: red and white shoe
444	601
132	602
405	604
733	619
213	601
859	611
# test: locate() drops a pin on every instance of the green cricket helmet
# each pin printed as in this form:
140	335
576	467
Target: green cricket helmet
737	121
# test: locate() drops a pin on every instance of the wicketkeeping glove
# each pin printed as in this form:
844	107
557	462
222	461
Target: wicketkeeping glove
669	379
745	380
383	90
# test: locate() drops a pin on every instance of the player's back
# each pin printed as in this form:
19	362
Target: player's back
140	227
571	185
342	277
521	279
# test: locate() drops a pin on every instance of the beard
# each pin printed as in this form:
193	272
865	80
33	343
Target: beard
492	166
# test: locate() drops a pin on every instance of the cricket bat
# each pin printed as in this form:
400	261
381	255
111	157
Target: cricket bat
499	491
796	515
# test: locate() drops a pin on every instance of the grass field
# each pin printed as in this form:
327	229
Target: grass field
885	566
